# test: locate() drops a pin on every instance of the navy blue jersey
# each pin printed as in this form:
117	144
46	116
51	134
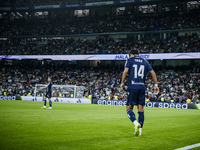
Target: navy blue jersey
138	69
49	86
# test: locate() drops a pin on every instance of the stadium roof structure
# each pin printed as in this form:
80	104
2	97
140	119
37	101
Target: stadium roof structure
77	5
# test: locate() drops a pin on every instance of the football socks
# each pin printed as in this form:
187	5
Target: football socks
45	102
141	118
50	103
131	115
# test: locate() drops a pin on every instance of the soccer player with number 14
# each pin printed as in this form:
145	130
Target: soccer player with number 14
137	68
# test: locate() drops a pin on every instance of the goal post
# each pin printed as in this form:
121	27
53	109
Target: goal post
62	91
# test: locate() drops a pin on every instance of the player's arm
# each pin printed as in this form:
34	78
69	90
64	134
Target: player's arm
156	89
124	77
44	87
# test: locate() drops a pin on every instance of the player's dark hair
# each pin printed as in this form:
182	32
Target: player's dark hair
134	52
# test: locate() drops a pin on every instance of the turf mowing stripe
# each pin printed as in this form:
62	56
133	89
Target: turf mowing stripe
189	147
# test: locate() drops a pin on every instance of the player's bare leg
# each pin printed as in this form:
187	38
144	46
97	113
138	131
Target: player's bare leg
140	117
129	107
44	102
131	115
50	104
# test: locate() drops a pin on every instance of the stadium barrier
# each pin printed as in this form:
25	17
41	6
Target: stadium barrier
149	104
54	99
2	97
104	102
109	102
58	99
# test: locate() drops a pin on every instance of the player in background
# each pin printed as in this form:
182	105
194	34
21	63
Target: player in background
48	93
137	68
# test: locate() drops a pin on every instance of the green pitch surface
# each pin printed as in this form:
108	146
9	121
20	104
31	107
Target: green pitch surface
25	126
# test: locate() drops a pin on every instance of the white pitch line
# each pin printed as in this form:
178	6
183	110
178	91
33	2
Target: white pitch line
189	147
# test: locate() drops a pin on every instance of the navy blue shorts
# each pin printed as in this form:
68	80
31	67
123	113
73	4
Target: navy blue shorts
136	97
48	95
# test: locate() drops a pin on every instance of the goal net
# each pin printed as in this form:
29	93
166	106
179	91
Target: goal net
61	91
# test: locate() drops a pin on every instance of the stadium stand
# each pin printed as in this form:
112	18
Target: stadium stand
101	45
25	33
59	25
176	85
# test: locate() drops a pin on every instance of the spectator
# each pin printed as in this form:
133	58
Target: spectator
103	81
101	45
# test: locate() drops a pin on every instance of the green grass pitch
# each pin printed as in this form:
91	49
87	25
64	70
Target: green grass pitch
25	126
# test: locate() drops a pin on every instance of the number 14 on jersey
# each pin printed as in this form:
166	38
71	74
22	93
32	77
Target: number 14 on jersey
139	72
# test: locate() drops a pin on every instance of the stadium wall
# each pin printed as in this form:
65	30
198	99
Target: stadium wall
149	104
104	102
40	99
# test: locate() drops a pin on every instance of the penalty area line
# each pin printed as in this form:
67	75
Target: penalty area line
189	147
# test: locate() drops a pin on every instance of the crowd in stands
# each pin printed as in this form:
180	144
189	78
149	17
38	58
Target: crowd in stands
190	44
101	45
29	3
102	82
59	26
176	87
